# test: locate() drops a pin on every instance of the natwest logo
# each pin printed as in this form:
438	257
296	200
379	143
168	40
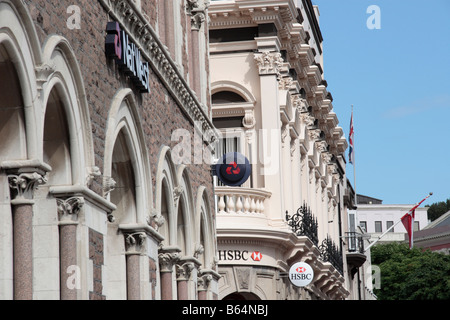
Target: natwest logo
128	56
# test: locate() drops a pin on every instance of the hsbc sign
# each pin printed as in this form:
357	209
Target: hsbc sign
301	274
239	255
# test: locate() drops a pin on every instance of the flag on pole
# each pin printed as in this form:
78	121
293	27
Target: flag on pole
351	150
408	221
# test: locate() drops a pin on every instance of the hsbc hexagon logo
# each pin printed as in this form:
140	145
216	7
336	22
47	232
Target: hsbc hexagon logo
256	256
300	269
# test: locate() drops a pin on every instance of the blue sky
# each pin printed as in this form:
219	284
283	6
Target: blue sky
398	79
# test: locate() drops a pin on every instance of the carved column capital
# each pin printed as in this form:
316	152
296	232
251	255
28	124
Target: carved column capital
135	243
269	63
197	19
203	281
184	270
167	260
68	209
23	185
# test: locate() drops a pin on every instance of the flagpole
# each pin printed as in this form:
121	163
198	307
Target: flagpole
382	235
354	166
391	227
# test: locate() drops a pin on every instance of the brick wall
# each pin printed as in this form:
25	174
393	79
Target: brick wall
96	255
159	114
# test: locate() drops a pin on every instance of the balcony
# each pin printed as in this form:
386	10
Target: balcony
245	201
303	223
329	252
355	254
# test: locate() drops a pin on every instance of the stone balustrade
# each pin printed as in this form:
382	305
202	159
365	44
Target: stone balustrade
235	200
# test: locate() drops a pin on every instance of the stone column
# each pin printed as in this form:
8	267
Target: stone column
135	246
269	148
68	210
203	282
184	271
197	18
169	27
167	259
22	186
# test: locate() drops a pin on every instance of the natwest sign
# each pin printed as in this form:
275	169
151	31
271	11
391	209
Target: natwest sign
127	55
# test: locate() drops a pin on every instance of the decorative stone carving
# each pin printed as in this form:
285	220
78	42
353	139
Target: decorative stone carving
269	63
109	184
68	208
43	73
135	242
92	173
243	277
314	134
184	270
197	20
249	120
203	281
177	191
199	249
23	185
167	260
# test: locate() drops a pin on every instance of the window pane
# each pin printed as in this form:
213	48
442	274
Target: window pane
378	227
390	224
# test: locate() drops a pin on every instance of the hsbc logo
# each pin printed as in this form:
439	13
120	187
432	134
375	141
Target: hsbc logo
301	274
300	269
239	255
256	256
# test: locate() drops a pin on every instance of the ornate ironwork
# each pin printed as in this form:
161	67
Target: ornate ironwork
330	252
303	223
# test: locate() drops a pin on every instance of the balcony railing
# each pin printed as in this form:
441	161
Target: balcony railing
241	200
355	242
329	252
303	223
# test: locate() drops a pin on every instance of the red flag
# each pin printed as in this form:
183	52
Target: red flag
408	222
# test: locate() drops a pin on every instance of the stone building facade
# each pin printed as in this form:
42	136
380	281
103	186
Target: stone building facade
100	197
270	102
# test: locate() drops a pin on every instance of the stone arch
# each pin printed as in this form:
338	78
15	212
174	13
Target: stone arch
204	223
56	139
127	175
165	204
185	203
60	71
123	124
227	85
19	46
